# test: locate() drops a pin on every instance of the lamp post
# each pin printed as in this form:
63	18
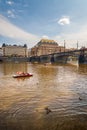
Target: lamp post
77	45
64	45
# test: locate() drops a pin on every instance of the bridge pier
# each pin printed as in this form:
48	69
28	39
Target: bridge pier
81	59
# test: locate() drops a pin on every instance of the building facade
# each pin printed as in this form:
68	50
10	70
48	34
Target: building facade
14	50
1	51
45	47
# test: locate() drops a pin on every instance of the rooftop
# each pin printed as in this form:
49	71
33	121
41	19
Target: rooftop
44	41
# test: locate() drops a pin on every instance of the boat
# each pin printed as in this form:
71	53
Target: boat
22	74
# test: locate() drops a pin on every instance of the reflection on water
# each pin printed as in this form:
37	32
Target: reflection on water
9	68
60	88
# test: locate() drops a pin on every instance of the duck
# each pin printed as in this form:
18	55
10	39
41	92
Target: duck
80	98
47	110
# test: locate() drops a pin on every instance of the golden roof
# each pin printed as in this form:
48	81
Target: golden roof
48	41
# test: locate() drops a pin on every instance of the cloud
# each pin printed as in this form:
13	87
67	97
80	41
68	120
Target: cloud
11	14
72	38
64	21
9	30
45	37
9	2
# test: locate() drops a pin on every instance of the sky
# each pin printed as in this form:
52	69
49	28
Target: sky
28	21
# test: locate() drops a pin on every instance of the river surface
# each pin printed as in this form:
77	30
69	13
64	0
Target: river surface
54	98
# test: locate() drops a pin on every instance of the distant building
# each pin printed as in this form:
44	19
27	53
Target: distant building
1	51
44	47
14	50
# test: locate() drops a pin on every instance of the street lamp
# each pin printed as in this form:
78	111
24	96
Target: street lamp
77	45
64	45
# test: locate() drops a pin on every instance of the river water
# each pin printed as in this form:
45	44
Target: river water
55	98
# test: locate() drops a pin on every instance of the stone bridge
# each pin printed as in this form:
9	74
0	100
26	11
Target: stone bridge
61	57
